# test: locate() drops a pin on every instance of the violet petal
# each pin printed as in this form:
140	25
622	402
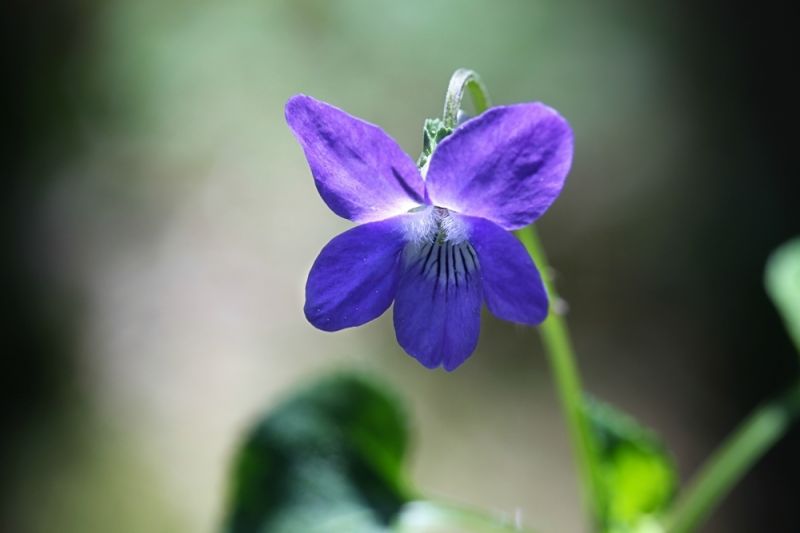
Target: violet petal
360	172
438	304
512	287
506	165
354	278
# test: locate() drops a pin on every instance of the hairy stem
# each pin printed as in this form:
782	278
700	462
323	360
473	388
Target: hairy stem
556	340
740	451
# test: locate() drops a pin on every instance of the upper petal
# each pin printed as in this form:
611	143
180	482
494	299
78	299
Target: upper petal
360	172
512	286
354	278
437	309
506	165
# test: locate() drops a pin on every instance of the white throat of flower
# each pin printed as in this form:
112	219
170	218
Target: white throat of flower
438	247
430	223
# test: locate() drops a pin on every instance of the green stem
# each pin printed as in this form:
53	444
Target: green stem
555	335
556	340
742	449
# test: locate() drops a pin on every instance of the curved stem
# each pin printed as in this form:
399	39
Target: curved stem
556	340
742	449
460	80
555	335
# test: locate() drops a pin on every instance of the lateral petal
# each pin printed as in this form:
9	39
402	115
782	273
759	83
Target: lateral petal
512	287
354	278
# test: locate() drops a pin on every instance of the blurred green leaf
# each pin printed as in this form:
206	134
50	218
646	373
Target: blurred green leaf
782	280
328	459
637	475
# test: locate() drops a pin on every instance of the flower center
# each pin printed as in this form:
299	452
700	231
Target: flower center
433	223
438	247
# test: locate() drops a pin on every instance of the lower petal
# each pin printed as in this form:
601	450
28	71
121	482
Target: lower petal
354	278
512	286
438	304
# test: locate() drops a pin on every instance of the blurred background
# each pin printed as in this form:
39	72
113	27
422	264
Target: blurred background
159	220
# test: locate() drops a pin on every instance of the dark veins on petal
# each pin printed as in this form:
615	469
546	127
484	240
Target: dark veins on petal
402	182
448	264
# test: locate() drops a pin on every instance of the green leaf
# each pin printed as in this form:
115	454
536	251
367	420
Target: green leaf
327	460
636	474
782	279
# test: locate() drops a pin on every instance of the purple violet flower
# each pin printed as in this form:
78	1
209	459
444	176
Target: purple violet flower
435	241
